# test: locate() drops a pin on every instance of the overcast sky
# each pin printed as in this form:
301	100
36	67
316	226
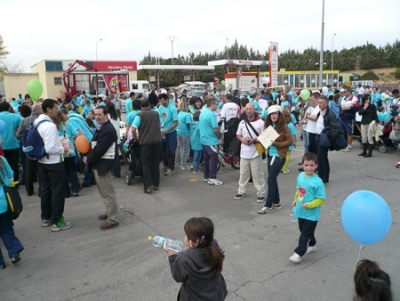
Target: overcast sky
33	30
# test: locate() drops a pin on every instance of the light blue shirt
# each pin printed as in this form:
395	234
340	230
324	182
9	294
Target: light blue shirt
272	150
207	123
184	118
334	107
78	124
375	97
293	132
168	115
67	131
6	174
12	122
308	189
136	121
131	116
128	106
195	136
256	106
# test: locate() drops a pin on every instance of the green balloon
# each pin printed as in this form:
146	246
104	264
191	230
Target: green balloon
305	94
35	89
223	82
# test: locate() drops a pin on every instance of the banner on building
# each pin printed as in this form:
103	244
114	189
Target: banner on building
273	63
116	83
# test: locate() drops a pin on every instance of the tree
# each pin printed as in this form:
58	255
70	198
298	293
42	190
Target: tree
3	55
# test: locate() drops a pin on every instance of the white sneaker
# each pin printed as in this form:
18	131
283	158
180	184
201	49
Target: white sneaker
295	258
196	172
206	179
348	148
311	249
286	171
214	182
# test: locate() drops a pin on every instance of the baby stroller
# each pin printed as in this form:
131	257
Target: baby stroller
135	163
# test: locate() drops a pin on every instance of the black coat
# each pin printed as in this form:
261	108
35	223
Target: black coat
105	137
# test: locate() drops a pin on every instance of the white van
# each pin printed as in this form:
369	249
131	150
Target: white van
139	86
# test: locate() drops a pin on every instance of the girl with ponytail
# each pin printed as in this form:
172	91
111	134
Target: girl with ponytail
199	267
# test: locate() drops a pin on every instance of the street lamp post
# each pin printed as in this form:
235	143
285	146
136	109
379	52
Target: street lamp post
321	55
99	40
332	50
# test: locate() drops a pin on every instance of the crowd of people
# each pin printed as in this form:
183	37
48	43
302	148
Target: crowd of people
176	130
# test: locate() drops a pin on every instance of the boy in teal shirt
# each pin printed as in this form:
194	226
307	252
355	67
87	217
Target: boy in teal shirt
308	199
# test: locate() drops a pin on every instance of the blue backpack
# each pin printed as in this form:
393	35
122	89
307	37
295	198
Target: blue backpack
32	142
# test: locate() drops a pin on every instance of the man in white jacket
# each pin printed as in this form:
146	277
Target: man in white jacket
51	170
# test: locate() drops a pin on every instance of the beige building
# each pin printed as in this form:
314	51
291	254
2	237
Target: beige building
50	74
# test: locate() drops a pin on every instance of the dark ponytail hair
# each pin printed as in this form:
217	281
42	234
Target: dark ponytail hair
371	283
200	230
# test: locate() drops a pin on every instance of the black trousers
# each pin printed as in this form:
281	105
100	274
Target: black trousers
323	163
312	143
307	229
31	170
12	156
150	156
52	197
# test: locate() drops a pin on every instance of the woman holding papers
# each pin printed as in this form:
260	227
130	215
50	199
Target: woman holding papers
276	152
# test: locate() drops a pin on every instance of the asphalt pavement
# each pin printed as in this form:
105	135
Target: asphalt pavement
84	263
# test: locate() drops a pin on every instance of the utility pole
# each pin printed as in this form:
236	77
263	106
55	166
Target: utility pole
321	55
332	50
172	38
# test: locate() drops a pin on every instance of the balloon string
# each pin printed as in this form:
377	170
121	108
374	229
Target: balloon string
359	253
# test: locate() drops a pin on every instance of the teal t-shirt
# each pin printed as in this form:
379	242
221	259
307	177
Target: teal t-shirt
375	97
184	118
131	116
272	150
195	136
6	174
168	115
67	131
207	123
128	106
12	122
308	189
293	132
256	105
78	123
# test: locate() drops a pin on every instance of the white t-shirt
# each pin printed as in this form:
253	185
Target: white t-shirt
230	110
263	104
320	122
311	126
249	151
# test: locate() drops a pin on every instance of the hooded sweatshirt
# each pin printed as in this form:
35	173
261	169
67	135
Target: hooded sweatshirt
199	280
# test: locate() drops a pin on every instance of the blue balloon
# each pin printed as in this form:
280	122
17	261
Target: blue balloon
366	217
2	126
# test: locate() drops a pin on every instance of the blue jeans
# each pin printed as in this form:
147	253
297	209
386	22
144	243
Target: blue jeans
275	165
169	148
196	159
11	242
305	141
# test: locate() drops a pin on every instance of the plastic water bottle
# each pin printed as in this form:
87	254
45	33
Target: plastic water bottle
166	243
293	217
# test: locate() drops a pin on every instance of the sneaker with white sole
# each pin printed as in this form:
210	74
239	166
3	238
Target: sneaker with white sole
196	172
45	222
265	210
214	182
277	206
206	179
295	258
64	226
185	167
238	196
169	172
286	171
260	199
348	148
311	249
